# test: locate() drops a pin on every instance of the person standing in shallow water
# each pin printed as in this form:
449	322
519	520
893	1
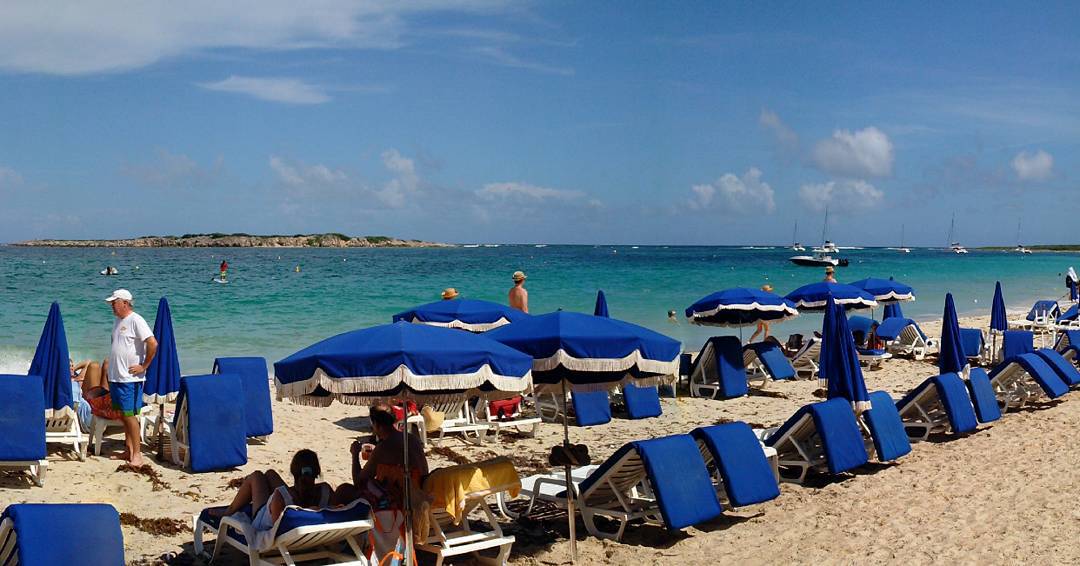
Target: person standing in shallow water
519	297
830	274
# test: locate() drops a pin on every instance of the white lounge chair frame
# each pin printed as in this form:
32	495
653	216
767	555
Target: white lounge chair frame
445	539
36	469
65	429
622	495
1015	388
756	374
546	488
806	359
910	342
925	411
458	418
800	448
517	420
8	540
873	360
315	542
99	427
179	437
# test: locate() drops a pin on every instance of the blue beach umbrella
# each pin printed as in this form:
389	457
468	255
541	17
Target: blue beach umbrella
739	307
401	361
892	310
839	371
814	297
52	362
163	375
467	314
588	353
601	305
951	358
885	290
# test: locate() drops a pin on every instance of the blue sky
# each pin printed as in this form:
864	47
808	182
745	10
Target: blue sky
563	122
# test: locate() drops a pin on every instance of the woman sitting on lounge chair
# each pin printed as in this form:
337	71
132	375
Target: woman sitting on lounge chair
268	494
378	474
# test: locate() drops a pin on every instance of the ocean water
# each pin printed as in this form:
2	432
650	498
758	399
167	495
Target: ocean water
269	310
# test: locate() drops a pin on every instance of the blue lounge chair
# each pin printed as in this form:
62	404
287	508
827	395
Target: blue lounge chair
903	337
1064	369
973	344
298	535
1025	378
1044	310
743	472
1068	344
887	434
209	426
41	534
718	370
982	396
1016	342
765	361
660	480
822	436
255	381
641	402
939	404
22	428
1070	316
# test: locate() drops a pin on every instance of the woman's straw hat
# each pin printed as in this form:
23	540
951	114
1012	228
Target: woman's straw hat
449	293
767	288
432	419
519	276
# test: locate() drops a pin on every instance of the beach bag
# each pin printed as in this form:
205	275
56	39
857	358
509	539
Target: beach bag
505	408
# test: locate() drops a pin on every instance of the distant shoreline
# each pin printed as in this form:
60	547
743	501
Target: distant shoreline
239	240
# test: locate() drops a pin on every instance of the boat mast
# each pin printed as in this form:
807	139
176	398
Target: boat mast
795	233
825	226
901	235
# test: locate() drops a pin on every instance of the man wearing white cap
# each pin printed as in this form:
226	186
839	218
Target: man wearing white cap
519	297
133	347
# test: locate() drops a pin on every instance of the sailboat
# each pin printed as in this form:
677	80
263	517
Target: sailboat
903	249
795	245
1020	247
954	245
821	255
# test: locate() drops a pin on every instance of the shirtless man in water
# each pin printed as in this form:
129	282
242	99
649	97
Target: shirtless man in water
519	297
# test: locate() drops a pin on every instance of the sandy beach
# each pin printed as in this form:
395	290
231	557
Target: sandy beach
1004	494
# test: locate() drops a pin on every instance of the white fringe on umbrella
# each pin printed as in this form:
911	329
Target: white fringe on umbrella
652	381
894	296
696	317
633	359
340	387
854	303
470	326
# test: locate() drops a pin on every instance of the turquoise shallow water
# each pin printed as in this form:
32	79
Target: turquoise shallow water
268	310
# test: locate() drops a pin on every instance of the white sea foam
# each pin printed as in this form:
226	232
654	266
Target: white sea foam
15	360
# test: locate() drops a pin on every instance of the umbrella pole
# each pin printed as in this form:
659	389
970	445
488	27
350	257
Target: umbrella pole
569	479
161	433
408	559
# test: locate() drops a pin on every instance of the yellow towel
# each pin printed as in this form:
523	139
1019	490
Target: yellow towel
451	488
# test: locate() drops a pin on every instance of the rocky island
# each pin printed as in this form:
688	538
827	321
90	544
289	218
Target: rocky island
241	240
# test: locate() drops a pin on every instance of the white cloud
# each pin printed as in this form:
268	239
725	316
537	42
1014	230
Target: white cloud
9	177
169	169
744	195
500	56
405	183
304	181
74	38
1037	166
863	153
306	176
848	195
287	90
524	192
785	136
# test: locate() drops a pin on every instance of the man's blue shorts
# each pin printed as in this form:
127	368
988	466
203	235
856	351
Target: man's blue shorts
127	397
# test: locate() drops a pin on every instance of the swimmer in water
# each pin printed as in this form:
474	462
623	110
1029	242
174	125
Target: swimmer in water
672	318
297	269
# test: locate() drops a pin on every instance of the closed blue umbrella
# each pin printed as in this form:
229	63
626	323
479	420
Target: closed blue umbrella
601	305
839	371
401	360
814	297
892	310
951	358
467	314
52	362
587	353
740	307
885	290
163	375
997	311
